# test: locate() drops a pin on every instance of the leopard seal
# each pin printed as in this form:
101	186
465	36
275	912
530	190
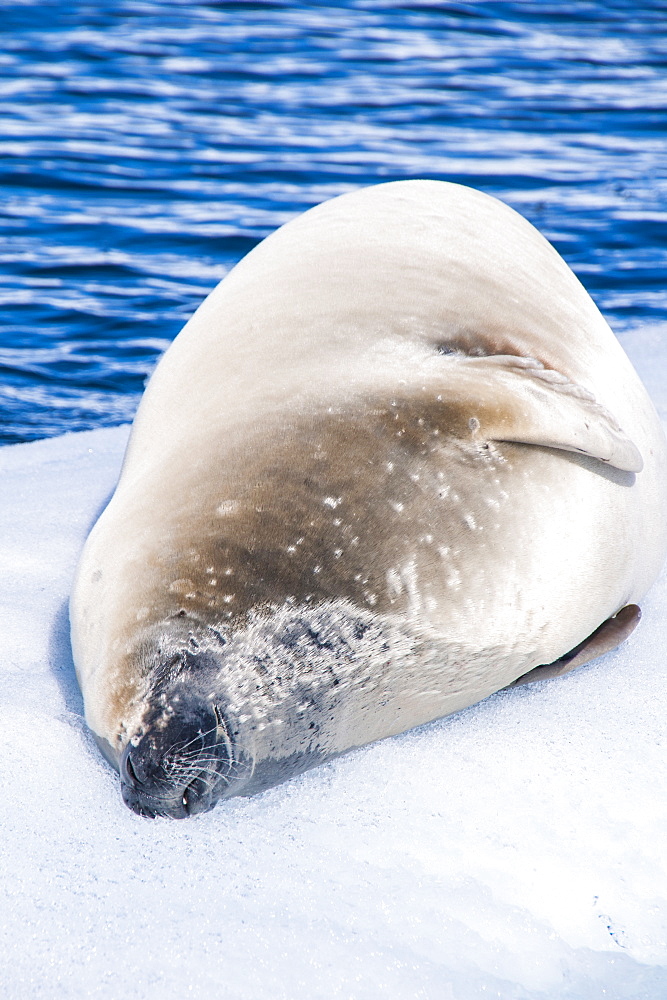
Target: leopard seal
395	462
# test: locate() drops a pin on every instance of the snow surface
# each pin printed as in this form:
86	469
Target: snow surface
516	850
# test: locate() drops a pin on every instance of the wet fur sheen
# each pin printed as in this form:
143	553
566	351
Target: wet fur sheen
394	461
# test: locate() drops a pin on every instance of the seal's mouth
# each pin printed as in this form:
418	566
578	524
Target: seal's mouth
179	768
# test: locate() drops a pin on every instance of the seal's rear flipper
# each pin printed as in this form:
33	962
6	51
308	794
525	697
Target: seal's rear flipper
517	399
605	638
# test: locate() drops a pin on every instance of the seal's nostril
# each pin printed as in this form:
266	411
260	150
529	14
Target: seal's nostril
197	796
129	770
133	767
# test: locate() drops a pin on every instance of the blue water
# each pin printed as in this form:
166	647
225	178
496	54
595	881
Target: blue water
146	146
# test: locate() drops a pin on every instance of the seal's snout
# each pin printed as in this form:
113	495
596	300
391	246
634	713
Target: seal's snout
180	766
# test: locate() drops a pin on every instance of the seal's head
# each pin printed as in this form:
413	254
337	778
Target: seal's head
180	760
222	716
180	766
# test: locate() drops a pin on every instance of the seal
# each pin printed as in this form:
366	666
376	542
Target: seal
395	462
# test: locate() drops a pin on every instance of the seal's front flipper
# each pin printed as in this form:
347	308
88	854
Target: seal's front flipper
605	638
517	399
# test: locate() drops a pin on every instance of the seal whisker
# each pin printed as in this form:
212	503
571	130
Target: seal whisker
182	747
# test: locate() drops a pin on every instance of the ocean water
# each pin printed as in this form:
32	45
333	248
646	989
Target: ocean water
146	146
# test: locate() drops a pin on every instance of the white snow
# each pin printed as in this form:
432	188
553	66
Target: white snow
516	850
